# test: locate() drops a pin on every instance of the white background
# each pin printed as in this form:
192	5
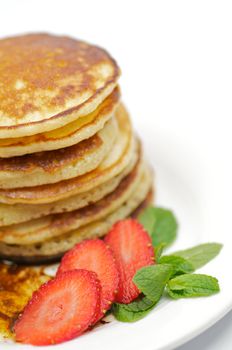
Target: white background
176	60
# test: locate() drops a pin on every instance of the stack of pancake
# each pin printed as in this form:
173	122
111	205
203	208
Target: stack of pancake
70	164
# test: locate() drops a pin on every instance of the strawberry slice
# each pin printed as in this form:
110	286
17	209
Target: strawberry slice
132	248
60	310
94	255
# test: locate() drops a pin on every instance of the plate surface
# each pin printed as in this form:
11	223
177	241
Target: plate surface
179	178
177	73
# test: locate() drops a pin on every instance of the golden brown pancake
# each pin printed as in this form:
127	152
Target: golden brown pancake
68	135
125	148
48	81
47	227
147	201
17	213
52	250
54	166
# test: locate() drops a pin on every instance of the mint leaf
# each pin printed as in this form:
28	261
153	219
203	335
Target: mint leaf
189	286
151	280
179	264
200	254
159	251
160	224
148	218
134	311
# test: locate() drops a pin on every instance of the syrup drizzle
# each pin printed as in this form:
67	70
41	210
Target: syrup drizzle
17	283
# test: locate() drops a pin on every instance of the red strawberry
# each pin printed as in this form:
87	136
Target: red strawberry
94	255
60	310
132	248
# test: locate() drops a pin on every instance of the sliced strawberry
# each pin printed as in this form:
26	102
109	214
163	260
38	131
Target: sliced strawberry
60	310
132	248
94	255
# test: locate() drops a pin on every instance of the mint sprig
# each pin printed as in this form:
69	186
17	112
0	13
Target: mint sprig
159	251
172	272
144	280
151	280
134	311
180	265
190	286
201	254
160	223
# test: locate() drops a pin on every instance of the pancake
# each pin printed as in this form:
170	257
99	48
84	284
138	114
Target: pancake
52	250
54	166
144	204
47	227
48	81
125	148
68	135
18	213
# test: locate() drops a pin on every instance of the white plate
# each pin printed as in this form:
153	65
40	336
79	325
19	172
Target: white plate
172	322
177	73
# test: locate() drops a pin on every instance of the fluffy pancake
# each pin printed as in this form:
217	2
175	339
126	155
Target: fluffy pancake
47	227
125	148
14	214
54	166
48	81
68	135
53	249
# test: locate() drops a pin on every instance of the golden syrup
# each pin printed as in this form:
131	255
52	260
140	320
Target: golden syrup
16	287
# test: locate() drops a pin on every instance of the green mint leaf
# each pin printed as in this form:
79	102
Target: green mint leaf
200	254
151	280
134	311
148	218
194	285
160	223
159	251
179	264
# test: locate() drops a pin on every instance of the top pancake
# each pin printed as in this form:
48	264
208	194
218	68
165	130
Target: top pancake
48	81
